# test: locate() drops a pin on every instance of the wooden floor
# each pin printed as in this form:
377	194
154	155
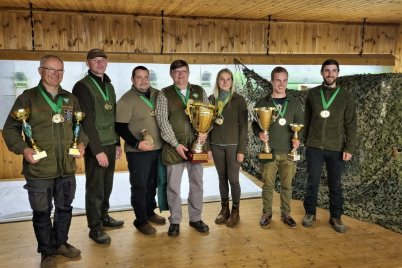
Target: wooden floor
246	245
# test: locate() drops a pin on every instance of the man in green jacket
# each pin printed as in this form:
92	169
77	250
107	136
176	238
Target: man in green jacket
97	98
330	132
280	138
52	177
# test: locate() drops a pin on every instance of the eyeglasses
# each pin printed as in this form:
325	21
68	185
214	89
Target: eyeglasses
180	71
52	70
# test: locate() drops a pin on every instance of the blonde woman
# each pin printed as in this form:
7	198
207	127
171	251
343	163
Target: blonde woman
228	140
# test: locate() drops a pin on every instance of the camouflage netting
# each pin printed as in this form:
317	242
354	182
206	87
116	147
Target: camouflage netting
372	180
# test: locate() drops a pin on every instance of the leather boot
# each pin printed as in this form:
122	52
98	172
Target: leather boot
224	214
234	217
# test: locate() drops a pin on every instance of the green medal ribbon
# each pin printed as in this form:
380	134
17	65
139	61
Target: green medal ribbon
55	107
150	103
224	103
105	97
326	104
282	113
181	96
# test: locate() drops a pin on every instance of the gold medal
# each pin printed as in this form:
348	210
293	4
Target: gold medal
108	107
325	114
57	118
282	121
153	113
219	120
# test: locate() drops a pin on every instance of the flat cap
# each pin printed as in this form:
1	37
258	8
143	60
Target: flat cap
96	52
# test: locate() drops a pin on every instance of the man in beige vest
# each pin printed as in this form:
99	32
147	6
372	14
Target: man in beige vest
135	117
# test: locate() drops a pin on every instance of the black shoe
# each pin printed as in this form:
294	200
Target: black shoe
200	226
100	237
174	230
111	222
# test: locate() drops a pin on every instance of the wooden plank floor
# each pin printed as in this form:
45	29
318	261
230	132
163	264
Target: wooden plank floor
246	245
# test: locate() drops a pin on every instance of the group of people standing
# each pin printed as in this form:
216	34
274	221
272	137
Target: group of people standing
329	137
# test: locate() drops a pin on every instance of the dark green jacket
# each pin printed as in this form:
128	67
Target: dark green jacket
280	137
53	138
336	132
235	124
104	119
183	129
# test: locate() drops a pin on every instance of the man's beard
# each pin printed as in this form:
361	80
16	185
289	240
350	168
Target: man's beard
330	84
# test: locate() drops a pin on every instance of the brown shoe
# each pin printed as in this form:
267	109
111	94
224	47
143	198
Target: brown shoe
48	261
224	214
288	220
146	229
234	217
265	220
157	219
68	251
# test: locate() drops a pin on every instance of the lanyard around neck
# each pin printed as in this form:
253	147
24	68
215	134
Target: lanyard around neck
181	96
326	104
55	107
224	103
281	112
105	97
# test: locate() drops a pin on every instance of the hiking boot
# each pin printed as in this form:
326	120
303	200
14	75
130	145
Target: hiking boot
337	224
146	229
157	219
288	220
265	220
48	261
111	222
224	214
200	226
68	251
308	220
174	230
234	217
100	237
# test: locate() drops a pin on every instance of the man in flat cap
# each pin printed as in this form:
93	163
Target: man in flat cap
97	98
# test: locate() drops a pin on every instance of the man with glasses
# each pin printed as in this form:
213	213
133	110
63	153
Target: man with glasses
179	135
51	177
97	98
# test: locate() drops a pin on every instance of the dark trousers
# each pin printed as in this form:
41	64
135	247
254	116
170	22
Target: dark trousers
335	165
225	160
98	187
41	194
143	167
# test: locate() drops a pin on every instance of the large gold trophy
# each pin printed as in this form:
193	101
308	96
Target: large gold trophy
293	155
202	116
265	116
78	117
23	115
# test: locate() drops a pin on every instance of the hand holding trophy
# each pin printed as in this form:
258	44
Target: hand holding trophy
23	115
264	116
78	117
293	155
202	116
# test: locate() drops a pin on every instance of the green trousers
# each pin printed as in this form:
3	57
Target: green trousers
287	170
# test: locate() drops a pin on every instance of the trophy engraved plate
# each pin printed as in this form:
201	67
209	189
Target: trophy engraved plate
78	117
202	116
293	155
147	137
265	116
23	115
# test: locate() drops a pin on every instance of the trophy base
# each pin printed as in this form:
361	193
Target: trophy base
293	157
197	157
39	155
73	151
266	157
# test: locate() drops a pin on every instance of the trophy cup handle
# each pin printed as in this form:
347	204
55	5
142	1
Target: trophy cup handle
189	103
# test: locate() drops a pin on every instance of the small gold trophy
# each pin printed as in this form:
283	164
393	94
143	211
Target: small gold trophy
294	156
147	137
78	117
202	116
265	116
23	115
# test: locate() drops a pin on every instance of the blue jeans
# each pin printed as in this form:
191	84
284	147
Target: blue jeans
335	165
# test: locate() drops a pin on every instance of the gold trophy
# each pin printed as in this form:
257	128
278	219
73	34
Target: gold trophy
147	137
78	117
294	156
23	115
265	116
202	116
